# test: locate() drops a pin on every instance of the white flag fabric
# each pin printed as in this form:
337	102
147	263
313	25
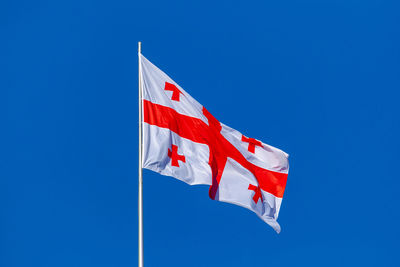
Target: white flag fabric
183	140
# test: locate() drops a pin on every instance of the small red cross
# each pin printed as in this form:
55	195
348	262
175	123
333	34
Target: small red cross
175	157
257	192
175	91
252	143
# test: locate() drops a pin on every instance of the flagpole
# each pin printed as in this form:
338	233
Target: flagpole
140	187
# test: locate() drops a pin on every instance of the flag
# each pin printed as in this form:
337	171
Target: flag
183	140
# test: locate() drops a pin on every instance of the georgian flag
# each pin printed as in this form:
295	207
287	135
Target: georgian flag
183	140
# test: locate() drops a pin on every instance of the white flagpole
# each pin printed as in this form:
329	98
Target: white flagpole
140	195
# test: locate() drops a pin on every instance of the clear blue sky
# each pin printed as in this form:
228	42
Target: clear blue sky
318	79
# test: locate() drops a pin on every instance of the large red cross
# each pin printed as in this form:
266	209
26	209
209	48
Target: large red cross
175	156
252	143
175	91
220	148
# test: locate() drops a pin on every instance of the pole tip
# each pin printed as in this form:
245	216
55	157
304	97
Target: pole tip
139	47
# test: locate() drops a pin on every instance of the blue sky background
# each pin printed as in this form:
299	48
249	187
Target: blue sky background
318	79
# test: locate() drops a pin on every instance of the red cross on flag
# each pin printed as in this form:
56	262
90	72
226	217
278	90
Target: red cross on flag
183	140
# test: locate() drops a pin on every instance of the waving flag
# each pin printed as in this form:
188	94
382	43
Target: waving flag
183	140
